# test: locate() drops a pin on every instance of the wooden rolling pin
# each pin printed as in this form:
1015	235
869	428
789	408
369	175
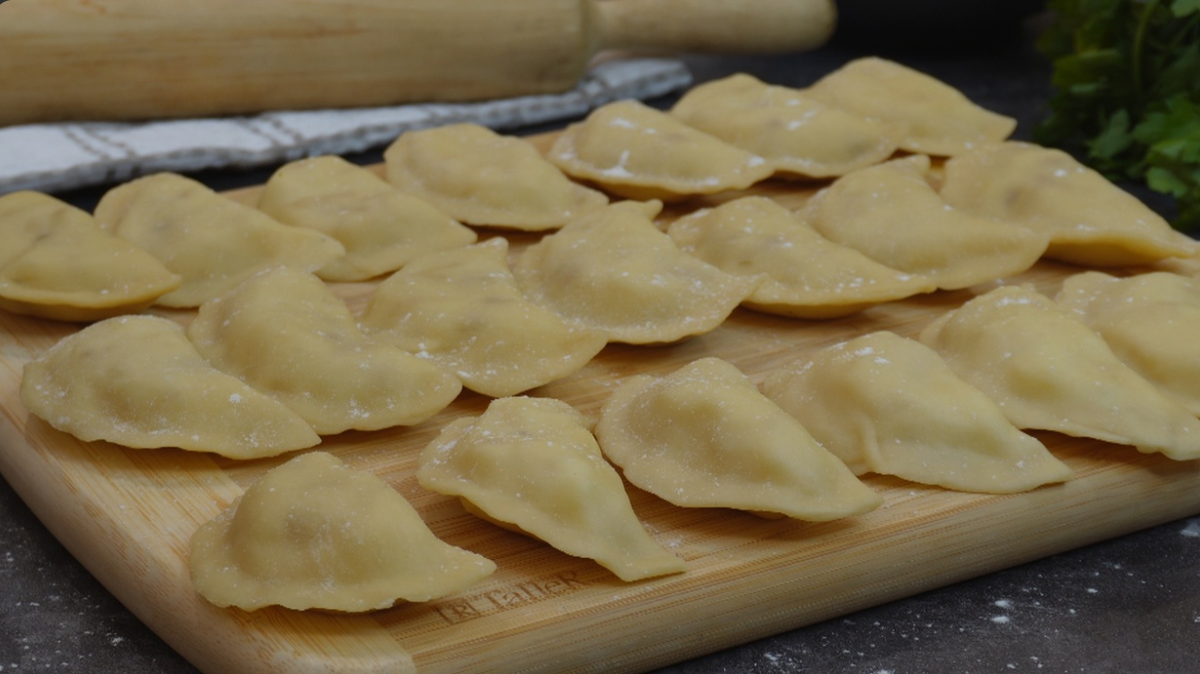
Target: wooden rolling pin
139	59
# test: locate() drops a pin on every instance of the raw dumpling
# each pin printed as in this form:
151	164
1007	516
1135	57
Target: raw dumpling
55	262
892	215
937	118
1089	220
1151	321
479	177
532	464
704	436
807	275
211	241
616	271
380	227
890	405
1049	371
314	533
462	309
795	133
284	332
636	151
137	381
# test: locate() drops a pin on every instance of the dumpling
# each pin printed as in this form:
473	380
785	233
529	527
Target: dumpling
639	152
615	271
893	216
1049	371
285	333
886	404
213	242
1151	321
1089	220
938	119
480	177
794	132
462	310
56	263
532	465
314	533
138	382
704	437
380	227
807	275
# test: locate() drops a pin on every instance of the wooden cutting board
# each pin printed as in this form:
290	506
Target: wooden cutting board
127	515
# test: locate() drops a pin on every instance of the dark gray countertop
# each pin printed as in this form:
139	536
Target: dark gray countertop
1127	605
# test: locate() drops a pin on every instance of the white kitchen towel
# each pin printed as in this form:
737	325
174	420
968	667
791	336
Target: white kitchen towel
64	156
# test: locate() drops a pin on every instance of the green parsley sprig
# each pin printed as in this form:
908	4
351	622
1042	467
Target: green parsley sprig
1126	75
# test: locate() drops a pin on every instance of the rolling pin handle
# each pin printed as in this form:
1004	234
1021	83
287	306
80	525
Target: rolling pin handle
713	26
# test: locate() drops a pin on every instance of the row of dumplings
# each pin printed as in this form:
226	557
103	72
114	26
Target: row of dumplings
876	234
181	244
949	408
463	317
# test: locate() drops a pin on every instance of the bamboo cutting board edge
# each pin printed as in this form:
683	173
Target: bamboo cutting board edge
127	516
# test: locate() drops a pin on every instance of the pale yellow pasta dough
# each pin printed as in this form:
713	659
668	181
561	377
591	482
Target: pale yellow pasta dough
938	119
615	271
807	275
380	226
480	177
1089	220
462	309
704	436
532	464
639	152
314	533
284	332
213	242
1049	371
137	381
890	213
890	405
1151	321
1184	266
56	263
794	132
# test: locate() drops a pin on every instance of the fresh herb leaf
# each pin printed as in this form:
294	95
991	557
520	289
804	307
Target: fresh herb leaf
1127	93
1185	7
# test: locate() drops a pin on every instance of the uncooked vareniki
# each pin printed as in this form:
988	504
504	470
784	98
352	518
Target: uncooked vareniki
615	271
532	464
1049	371
795	133
890	405
480	177
1089	220
56	263
284	332
314	533
890	213
462	309
807	275
639	152
704	436
1151	321
138	382
380	227
937	118
213	242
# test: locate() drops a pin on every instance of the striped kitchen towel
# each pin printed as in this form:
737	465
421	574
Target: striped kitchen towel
65	156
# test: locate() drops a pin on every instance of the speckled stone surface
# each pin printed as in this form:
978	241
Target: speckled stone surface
1131	604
